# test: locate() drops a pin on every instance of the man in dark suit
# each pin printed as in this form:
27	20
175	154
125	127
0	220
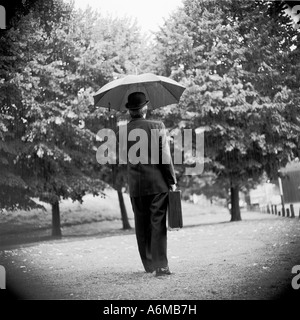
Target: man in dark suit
150	175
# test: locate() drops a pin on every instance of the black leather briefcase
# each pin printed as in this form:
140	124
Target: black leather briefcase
175	210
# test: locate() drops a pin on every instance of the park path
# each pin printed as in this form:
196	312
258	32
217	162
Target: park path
211	259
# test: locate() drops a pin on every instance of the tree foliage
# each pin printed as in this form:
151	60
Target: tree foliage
239	60
53	59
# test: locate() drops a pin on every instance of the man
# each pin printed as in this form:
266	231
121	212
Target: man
150	179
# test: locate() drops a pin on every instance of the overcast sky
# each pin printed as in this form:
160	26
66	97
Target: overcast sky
149	13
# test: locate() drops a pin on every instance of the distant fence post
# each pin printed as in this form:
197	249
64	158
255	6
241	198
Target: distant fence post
268	209
272	208
281	196
2	278
292	211
275	209
288	212
2	18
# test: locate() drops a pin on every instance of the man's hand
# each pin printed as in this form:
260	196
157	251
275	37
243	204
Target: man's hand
173	187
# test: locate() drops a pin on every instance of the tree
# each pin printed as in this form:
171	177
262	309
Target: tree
14	193
237	61
124	51
116	174
54	59
51	150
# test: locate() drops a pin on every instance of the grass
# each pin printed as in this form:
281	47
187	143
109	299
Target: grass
93	209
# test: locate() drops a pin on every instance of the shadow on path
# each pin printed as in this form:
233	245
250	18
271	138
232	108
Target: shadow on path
94	230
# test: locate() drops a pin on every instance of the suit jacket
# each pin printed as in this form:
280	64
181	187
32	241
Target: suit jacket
148	176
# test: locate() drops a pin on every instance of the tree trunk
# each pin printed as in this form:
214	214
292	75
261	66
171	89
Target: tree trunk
235	205
125	221
56	230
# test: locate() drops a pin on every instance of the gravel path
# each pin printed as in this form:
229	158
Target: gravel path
211	259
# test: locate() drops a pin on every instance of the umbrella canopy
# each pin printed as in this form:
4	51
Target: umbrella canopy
160	91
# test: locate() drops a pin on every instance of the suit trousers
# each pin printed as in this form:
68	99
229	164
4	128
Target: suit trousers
151	230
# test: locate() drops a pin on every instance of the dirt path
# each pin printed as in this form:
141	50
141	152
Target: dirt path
211	259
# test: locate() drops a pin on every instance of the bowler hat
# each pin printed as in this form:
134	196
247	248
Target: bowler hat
136	100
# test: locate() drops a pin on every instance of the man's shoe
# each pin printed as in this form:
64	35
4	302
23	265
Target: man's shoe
149	268
163	272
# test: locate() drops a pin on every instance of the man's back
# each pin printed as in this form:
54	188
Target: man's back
150	175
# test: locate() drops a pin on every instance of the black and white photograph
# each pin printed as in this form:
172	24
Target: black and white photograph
150	153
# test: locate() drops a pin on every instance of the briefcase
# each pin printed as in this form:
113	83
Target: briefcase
175	210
